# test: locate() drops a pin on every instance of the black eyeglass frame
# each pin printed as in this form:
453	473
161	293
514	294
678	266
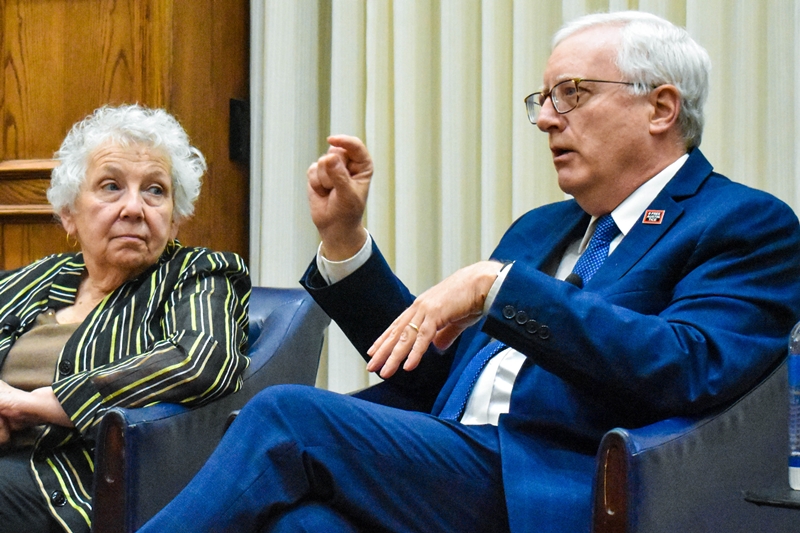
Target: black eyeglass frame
539	98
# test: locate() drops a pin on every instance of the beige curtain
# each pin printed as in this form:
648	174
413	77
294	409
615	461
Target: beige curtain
435	87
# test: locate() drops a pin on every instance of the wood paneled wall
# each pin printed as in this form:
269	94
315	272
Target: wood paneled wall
64	58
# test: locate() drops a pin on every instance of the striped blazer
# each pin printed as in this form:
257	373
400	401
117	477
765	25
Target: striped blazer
176	333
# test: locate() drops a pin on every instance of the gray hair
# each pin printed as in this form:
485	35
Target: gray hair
656	52
126	125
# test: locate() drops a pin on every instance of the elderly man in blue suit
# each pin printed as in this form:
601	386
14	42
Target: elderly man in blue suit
661	289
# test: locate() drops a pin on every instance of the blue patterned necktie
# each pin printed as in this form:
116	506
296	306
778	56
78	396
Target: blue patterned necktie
589	262
457	402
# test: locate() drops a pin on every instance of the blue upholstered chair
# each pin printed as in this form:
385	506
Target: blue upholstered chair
144	457
710	474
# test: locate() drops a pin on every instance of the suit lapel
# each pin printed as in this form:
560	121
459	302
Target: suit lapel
637	243
537	243
642	236
563	231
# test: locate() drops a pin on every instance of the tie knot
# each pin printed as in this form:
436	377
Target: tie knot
606	229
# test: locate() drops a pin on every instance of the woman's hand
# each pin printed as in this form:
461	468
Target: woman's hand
20	409
438	316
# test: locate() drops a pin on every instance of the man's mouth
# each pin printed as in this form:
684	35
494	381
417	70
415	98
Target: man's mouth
558	152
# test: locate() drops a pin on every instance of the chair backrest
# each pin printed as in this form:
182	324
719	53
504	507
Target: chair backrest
263	301
276	310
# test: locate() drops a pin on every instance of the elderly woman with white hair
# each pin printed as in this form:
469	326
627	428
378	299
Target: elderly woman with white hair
132	319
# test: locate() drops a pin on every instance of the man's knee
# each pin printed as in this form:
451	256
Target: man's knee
281	398
296	409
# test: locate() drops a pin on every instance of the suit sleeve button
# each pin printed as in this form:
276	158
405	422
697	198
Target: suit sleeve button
531	326
521	317
544	332
509	312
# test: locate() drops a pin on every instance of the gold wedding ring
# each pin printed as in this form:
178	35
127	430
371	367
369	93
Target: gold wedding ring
414	327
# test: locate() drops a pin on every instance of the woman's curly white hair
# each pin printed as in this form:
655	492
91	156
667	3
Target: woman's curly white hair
127	125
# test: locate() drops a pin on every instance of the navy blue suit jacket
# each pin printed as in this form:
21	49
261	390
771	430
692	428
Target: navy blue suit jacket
683	317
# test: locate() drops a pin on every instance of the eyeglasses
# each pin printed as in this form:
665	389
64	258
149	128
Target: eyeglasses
564	95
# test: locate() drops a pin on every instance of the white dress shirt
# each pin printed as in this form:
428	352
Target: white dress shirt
491	395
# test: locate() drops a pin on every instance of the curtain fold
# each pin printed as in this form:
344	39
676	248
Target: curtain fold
436	88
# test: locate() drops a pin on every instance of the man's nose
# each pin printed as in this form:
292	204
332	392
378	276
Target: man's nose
548	116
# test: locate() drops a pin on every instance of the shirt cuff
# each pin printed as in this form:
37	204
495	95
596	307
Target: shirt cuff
333	271
498	282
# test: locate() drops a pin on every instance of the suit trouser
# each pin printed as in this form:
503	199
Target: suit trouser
298	454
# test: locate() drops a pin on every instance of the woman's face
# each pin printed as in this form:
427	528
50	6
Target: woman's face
123	216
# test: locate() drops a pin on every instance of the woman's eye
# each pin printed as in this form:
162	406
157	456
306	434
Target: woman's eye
156	190
110	186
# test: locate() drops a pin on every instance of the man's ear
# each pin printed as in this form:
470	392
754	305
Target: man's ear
666	105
